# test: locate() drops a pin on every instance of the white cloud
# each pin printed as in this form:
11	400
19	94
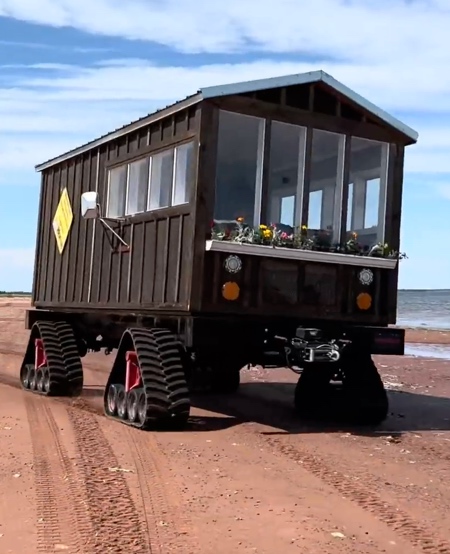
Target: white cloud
393	61
372	29
392	52
43	116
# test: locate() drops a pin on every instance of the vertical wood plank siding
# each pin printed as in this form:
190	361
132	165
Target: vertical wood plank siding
156	273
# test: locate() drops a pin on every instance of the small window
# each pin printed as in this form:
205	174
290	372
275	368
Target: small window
161	178
137	187
184	173
116	192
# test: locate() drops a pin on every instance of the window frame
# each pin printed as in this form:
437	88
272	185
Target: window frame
149	156
385	184
304	177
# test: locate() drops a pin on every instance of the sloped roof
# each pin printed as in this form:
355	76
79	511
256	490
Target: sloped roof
241	88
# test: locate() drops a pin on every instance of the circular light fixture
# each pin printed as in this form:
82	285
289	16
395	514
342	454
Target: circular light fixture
233	264
365	276
364	301
230	290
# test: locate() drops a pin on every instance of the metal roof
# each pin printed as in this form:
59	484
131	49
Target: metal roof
240	88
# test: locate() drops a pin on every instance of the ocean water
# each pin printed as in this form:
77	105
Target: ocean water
424	308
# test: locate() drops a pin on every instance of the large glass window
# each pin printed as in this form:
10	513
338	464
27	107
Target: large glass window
286	173
367	190
239	167
159	181
325	187
137	187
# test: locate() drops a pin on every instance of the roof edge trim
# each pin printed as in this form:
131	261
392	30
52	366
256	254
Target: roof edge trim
146	120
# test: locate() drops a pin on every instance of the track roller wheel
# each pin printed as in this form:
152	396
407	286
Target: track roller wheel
40	380
149	370
32	379
51	366
121	402
111	400
132	404
25	375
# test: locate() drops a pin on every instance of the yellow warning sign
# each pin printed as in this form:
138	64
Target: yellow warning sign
62	220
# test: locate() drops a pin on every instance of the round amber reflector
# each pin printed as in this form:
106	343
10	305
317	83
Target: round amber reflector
230	290
364	301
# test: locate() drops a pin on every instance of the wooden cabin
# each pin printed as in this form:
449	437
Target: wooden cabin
296	150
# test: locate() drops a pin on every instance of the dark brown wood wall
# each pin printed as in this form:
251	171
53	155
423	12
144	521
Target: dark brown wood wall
156	272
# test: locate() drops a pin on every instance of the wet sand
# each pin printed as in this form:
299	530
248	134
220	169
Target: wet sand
246	476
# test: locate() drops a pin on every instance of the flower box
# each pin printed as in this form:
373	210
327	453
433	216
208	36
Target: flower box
280	252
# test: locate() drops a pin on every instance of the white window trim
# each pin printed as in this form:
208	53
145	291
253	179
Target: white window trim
127	191
108	191
300	192
147	158
174	174
149	183
383	176
259	171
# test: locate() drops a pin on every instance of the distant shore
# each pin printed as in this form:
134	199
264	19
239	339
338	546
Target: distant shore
418	335
427	336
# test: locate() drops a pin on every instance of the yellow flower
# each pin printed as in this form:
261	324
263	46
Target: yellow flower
263	227
267	234
304	227
240	219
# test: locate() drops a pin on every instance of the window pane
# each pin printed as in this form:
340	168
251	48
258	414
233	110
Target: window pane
287	211
239	167
287	153
327	161
184	173
116	192
315	209
368	177
161	177
137	187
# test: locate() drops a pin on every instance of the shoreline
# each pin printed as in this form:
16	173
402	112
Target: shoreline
413	334
420	335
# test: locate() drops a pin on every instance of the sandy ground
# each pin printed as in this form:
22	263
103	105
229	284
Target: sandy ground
246	477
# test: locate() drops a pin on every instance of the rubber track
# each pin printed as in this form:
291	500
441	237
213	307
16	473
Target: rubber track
163	377
71	357
59	384
61	507
115	518
418	535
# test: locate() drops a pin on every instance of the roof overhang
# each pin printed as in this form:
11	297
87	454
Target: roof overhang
241	88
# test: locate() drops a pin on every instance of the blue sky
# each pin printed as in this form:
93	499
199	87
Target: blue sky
71	71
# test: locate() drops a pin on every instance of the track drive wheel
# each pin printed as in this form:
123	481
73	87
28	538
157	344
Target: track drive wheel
159	397
51	367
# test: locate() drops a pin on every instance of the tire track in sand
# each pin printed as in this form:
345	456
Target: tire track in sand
116	520
63	522
167	530
418	535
